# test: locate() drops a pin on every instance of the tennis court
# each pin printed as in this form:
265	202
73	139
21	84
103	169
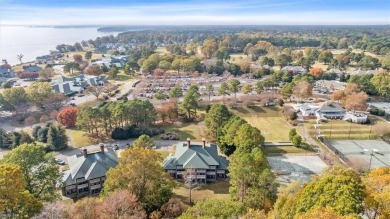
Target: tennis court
376	151
288	168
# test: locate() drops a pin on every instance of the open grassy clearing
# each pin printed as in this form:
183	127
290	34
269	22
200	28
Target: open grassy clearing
320	65
269	120
187	130
123	77
212	190
94	55
78	138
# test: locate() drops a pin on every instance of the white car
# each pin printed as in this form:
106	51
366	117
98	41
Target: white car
59	161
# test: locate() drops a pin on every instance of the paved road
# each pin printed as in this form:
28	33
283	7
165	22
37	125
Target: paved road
161	145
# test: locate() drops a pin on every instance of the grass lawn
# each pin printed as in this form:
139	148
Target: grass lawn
339	129
212	190
78	138
70	54
276	151
123	77
269	120
186	130
92	103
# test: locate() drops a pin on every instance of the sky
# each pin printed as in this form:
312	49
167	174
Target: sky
194	12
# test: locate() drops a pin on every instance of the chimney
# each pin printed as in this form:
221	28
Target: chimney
102	148
85	152
204	142
188	142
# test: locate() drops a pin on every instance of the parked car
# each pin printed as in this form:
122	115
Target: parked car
72	104
59	161
115	147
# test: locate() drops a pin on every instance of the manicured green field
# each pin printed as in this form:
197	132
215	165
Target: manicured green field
338	129
269	120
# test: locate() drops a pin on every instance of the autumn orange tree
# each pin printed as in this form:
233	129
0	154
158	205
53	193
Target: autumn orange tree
93	70
68	117
316	72
377	200
15	200
351	98
140	172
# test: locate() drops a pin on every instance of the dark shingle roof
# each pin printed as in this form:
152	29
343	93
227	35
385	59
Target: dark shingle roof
195	157
93	166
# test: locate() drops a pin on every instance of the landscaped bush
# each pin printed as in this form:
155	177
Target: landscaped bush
101	104
170	136
280	102
133	131
374	111
381	112
293	116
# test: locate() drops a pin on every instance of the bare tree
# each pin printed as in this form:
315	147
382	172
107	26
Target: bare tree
381	129
29	121
55	101
19	57
303	89
191	181
358	164
95	90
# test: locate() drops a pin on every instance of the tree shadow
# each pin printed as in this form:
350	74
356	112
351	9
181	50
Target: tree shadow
241	109
257	109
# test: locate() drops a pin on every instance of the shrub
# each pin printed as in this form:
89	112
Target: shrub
297	140
381	112
292	133
294	122
293	116
374	111
132	131
280	102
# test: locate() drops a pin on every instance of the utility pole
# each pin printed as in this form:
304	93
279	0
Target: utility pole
349	133
369	135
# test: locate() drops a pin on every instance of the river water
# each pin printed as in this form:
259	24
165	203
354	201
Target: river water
37	41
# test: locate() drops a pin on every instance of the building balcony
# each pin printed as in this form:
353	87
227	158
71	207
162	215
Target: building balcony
221	171
82	186
95	187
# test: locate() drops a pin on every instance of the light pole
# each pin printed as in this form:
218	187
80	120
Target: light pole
372	154
369	135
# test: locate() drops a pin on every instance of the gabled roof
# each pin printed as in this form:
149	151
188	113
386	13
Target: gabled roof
93	166
196	157
32	68
330	107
